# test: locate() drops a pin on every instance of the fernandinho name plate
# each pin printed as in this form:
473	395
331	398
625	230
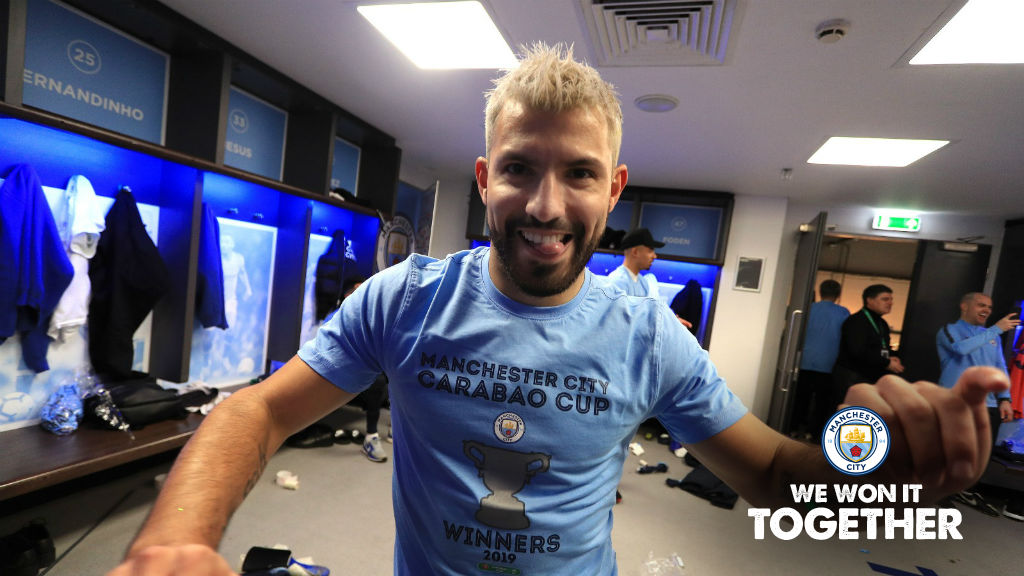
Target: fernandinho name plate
81	68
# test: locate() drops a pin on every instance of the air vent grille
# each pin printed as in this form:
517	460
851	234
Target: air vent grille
658	32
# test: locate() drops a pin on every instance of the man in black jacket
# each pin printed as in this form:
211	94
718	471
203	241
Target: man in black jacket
865	353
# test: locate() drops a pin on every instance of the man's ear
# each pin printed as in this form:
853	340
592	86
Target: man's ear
619	177
480	170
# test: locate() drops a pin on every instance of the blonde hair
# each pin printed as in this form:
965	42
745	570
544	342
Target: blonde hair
549	79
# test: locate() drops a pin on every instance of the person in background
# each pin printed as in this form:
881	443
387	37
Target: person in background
517	380
965	343
865	352
372	398
638	255
816	396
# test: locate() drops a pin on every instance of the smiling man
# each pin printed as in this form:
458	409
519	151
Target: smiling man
518	379
967	342
549	183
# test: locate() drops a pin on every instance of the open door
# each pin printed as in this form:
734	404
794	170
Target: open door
801	297
943	273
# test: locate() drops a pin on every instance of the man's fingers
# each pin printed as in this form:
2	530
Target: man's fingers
976	382
1005	412
940	437
920	424
898	462
973	387
963	438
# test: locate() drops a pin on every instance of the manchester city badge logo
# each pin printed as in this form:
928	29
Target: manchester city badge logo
855	441
509	427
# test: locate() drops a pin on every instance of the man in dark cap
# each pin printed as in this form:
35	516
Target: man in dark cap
638	248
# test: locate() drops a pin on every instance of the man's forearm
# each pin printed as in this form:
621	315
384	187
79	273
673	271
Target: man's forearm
968	345
761	471
212	475
803	464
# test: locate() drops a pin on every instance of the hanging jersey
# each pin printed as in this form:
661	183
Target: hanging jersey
1017	384
128	278
34	269
80	221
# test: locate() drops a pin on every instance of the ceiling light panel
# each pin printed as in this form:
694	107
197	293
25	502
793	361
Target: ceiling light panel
892	152
442	35
982	32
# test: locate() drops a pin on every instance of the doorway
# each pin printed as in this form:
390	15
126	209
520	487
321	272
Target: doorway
927	277
857	262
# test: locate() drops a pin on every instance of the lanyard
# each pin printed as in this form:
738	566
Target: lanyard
885	344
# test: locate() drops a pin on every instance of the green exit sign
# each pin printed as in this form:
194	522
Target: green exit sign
897	223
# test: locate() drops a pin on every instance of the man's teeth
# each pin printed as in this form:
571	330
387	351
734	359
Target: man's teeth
541	238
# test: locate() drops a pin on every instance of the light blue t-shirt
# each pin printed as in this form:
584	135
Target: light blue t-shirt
824	331
512	422
644	285
968	345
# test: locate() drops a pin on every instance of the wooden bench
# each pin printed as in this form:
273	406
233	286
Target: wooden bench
32	458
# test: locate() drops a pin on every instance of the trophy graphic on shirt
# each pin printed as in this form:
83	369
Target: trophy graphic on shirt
504	473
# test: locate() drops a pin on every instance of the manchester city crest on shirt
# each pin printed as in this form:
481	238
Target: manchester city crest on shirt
509	427
855	441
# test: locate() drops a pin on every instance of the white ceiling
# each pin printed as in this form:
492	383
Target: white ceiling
779	94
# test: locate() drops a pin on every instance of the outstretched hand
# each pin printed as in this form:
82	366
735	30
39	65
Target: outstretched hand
1008	322
939	437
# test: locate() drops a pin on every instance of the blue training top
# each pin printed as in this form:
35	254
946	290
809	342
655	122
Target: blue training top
821	339
512	422
971	345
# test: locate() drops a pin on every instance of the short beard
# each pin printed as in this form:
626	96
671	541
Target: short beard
541	280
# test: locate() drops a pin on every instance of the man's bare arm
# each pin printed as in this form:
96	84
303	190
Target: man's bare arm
940	438
222	463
